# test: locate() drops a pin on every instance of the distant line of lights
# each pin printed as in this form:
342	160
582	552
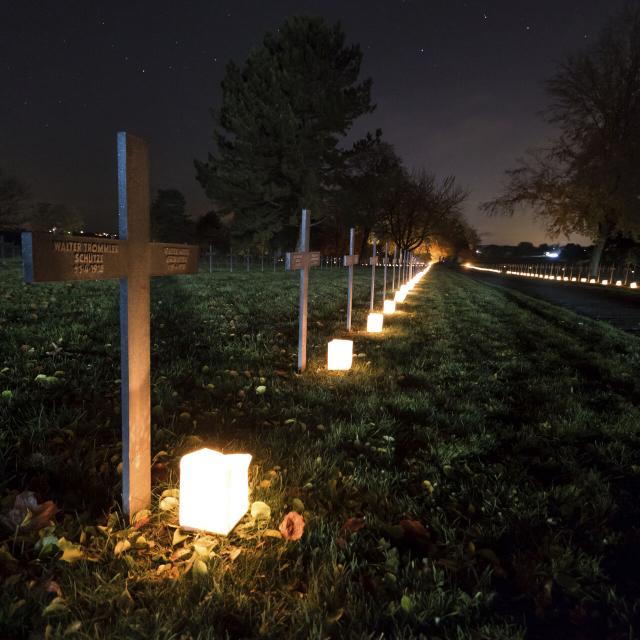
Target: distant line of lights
541	276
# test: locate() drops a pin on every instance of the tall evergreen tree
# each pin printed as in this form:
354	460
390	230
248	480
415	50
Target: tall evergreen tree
283	113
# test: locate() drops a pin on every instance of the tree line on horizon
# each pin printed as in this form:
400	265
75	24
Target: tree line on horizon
280	146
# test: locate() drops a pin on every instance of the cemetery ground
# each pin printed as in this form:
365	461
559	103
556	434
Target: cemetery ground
475	475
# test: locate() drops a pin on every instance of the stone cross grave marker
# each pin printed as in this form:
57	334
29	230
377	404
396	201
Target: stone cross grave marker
403	266
384	271
373	261
350	261
393	270
132	259
301	260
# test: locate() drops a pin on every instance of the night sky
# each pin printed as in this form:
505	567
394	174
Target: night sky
459	86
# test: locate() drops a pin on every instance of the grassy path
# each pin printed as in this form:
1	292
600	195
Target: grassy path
474	476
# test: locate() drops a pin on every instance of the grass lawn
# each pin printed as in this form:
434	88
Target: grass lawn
476	475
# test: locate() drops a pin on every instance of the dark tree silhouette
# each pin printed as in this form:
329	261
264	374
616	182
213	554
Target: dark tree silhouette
588	179
283	113
169	220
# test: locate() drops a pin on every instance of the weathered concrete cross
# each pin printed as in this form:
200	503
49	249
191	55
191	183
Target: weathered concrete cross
302	260
373	261
384	271
393	271
133	259
350	261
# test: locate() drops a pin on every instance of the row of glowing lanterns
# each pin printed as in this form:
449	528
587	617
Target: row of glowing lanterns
340	352
214	487
563	278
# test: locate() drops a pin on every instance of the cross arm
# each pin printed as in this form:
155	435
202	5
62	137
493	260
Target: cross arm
302	260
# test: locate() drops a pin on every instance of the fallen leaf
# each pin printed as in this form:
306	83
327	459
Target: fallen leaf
416	534
121	547
141	518
179	536
334	617
73	627
168	504
292	526
272	533
352	525
199	568
428	486
27	514
180	553
57	605
70	552
260	510
51	586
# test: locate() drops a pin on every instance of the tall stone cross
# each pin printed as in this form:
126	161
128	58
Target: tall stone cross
301	260
132	259
373	261
350	261
393	270
384	271
403	266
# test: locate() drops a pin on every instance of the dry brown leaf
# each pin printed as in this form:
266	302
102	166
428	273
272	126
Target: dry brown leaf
352	525
292	526
27	514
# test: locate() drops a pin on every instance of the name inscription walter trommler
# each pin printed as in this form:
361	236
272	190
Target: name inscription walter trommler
88	257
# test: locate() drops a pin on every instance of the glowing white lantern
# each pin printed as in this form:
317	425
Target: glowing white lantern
592	281
400	296
605	282
574	279
389	307
340	355
583	279
634	285
214	490
618	283
374	322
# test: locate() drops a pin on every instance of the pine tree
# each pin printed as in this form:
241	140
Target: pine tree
283	113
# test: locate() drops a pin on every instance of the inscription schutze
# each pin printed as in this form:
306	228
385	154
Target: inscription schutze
133	259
